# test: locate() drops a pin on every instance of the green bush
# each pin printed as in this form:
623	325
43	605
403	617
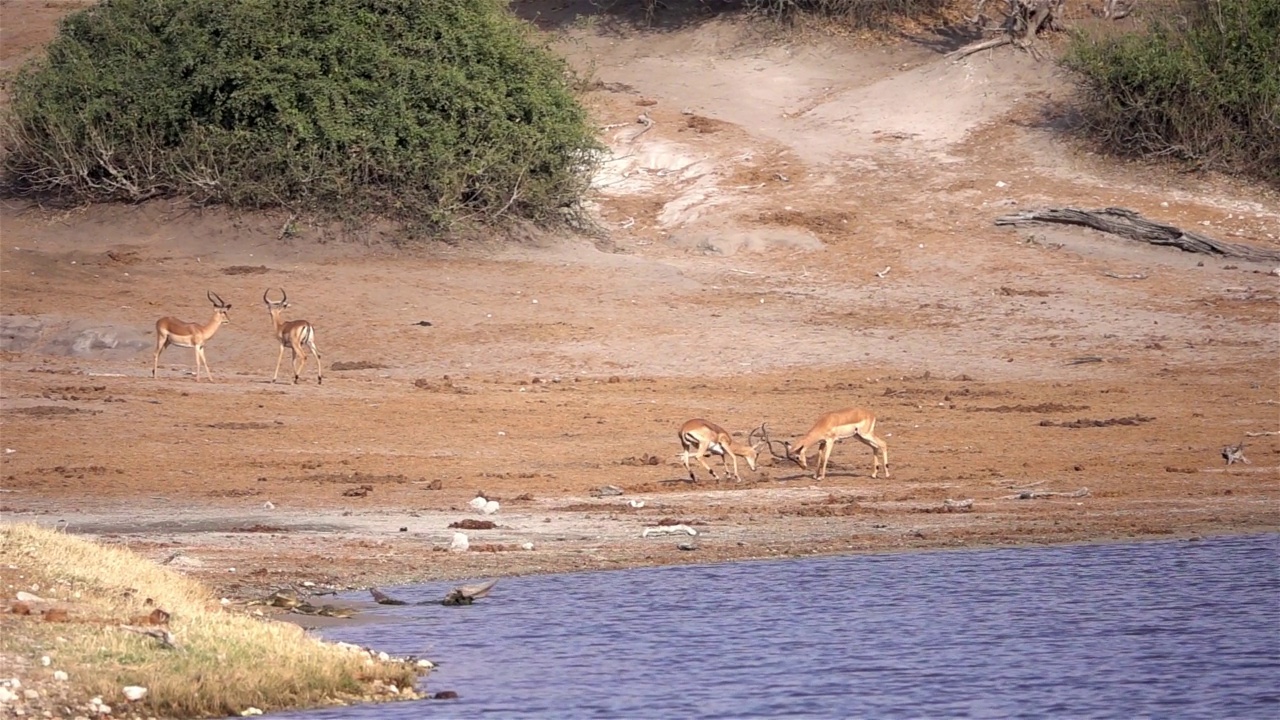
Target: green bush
1203	87
426	111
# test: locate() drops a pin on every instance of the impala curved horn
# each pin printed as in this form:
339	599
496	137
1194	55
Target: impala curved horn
213	298
266	297
764	436
284	297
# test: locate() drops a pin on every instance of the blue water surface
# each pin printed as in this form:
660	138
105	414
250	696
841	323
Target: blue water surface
1176	629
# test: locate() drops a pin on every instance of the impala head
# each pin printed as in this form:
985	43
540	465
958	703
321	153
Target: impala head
220	305
275	305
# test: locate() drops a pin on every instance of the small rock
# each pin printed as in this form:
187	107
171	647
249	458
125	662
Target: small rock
607	491
27	597
134	693
45	661
250	711
60	675
30	694
636	503
687	546
445	695
526	546
460	543
7	695
424	663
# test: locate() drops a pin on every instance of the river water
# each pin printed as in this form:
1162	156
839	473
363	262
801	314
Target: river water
1173	629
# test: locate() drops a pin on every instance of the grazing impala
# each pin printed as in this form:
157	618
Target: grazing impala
172	331
294	334
701	438
831	427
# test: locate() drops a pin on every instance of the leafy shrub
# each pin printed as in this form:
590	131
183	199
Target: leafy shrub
1202	87
428	111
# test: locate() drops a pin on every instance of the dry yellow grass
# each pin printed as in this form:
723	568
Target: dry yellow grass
224	662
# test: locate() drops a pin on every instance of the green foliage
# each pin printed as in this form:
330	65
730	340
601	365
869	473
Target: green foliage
427	111
1202	87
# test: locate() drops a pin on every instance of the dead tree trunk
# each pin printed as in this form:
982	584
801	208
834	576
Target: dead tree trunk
1127	223
1023	21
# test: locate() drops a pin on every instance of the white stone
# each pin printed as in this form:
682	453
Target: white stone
247	712
460	543
134	693
45	661
60	675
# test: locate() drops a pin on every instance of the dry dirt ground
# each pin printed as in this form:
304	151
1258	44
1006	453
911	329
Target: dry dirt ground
797	226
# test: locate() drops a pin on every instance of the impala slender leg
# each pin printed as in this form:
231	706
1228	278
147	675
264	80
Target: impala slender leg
702	452
299	362
279	358
824	454
316	352
879	453
685	457
205	360
162	342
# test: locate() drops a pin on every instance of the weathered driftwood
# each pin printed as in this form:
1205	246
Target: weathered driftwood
1023	20
1037	494
1127	223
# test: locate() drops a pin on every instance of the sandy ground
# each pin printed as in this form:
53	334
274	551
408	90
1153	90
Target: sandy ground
794	228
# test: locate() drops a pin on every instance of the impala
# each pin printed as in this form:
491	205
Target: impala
172	331
700	438
834	426
295	335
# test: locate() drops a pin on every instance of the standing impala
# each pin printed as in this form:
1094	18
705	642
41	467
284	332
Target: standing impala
294	334
701	438
848	423
172	331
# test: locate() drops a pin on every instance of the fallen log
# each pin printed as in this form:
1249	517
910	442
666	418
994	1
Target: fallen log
1129	224
1038	494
